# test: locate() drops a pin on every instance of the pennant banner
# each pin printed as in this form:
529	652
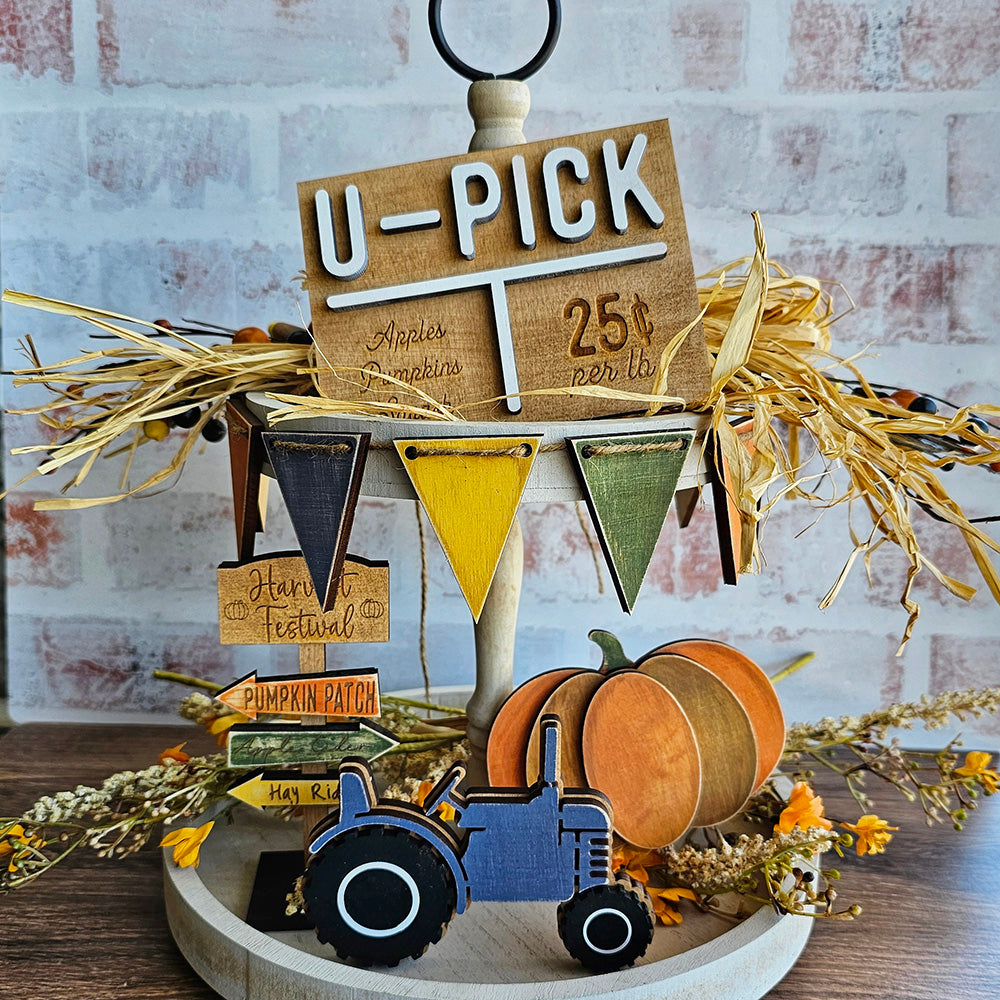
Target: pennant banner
470	489
319	476
628	481
246	456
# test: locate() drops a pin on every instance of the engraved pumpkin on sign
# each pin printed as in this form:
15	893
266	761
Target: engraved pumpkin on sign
370	608
237	611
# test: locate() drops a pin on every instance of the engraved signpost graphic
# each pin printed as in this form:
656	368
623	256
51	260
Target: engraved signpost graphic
331	693
261	745
272	599
286	788
557	263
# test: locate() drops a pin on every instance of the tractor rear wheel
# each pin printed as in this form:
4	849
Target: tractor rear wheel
607	927
379	894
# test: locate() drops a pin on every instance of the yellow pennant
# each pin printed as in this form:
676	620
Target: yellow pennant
470	489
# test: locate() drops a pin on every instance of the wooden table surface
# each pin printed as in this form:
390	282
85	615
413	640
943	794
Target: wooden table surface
94	929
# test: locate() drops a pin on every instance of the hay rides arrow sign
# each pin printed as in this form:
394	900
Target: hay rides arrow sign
552	264
285	788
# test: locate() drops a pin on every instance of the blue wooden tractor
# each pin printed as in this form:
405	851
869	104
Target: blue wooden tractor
386	877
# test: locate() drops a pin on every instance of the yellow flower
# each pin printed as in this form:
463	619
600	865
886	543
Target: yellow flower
804	810
15	842
445	810
14	832
662	898
187	842
871	833
634	861
977	766
219	727
175	754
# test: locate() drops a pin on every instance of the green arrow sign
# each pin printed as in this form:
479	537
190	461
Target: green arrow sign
261	745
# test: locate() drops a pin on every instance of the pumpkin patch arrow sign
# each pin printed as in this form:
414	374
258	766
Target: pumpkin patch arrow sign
260	745
331	693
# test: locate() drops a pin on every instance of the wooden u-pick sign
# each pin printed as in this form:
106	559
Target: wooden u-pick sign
557	263
285	788
280	744
272	599
330	693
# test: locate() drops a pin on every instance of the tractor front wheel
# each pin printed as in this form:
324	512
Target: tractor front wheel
379	894
607	927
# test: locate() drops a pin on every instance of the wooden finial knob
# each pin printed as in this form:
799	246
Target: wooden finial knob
498	109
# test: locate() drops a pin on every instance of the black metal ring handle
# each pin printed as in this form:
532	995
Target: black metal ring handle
536	62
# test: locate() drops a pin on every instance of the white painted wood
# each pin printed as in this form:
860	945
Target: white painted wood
552	479
495	951
498	109
535	270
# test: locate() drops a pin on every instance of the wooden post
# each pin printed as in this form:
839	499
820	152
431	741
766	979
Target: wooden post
312	660
495	632
498	109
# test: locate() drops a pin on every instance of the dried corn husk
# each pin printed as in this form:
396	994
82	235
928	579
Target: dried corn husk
769	333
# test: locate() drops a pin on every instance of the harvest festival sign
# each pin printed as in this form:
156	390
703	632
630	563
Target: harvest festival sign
271	599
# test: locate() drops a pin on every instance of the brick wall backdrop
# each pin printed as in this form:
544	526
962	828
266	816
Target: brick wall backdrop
148	160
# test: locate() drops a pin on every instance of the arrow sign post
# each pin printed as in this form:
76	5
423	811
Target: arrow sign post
262	745
285	788
353	693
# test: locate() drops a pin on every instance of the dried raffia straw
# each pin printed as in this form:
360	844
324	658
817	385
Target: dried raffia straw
768	332
99	396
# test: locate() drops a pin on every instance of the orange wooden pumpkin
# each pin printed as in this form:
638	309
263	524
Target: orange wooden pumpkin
668	739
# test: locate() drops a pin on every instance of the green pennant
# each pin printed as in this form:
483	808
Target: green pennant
628	481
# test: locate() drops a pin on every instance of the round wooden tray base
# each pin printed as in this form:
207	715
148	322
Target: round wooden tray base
493	950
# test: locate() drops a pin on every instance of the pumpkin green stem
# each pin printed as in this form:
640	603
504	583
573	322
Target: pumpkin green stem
614	657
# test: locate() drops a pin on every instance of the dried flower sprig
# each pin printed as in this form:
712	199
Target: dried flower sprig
783	869
115	819
779	870
857	747
121	815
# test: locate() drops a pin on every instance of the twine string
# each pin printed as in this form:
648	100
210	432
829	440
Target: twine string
590	542
543	449
593	450
517	451
313	447
423	605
